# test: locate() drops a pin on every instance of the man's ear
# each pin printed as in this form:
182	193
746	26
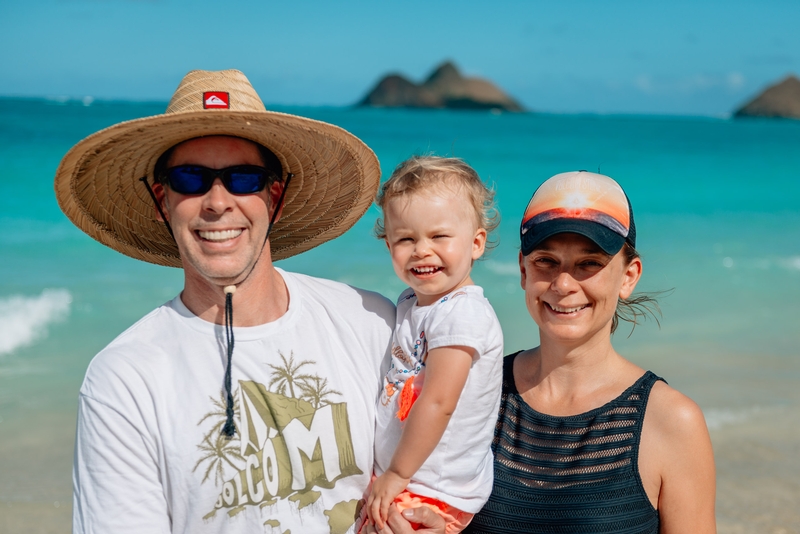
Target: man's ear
161	198
275	191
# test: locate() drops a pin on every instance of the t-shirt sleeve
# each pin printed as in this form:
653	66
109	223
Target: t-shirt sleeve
115	475
463	320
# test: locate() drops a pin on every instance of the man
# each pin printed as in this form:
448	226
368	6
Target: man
265	424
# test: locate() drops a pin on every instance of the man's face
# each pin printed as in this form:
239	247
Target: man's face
220	235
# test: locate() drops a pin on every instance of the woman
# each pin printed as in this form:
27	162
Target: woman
587	441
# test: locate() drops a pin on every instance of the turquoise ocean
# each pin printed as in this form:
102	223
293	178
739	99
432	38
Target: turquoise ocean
715	202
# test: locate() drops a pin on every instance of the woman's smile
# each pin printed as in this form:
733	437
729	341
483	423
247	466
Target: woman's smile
564	310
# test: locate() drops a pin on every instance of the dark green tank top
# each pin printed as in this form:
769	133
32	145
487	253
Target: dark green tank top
576	474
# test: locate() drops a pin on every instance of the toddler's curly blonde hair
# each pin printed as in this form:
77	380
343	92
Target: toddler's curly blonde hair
418	173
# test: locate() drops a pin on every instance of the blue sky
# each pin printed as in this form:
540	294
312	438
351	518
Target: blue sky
675	57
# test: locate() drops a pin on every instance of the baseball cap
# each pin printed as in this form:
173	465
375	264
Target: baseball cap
580	202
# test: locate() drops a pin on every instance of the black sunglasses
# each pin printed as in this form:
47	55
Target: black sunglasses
238	180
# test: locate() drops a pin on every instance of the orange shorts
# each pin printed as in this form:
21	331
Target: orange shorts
455	519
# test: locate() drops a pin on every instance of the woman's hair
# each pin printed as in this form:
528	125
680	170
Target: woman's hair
637	306
419	173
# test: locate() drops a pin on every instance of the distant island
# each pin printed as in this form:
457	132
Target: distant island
444	88
781	100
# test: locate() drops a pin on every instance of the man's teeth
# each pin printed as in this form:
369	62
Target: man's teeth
559	309
425	270
219	235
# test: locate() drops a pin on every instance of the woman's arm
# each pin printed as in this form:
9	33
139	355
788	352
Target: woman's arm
676	451
446	371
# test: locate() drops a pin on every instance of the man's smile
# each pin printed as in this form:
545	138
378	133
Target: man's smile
219	235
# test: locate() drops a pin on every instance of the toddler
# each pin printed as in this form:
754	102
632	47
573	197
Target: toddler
438	407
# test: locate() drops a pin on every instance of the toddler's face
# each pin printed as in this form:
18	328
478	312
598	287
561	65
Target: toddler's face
433	240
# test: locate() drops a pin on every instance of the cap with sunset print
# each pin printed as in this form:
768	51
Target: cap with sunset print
580	202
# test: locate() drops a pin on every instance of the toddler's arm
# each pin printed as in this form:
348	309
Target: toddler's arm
446	371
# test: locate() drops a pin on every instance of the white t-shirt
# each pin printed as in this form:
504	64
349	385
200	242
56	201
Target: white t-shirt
459	470
149	454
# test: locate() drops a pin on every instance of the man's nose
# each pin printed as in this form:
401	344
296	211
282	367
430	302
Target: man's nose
218	199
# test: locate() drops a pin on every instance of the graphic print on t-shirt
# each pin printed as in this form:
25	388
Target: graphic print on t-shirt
292	440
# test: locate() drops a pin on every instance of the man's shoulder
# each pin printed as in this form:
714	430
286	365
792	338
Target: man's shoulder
132	352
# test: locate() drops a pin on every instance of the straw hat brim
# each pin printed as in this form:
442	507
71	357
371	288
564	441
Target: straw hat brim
97	183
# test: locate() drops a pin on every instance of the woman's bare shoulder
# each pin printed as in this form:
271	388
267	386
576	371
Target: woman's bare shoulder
676	462
672	413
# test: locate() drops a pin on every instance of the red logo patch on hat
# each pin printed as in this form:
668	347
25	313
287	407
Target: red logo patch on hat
216	100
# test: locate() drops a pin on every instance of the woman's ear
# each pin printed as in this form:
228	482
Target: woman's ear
631	276
522	274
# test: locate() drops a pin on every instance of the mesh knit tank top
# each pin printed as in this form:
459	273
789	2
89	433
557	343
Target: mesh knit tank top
575	474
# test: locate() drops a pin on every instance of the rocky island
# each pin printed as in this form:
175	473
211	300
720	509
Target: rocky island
444	88
781	100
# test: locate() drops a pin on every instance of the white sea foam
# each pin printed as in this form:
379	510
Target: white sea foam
719	417
24	320
792	263
506	268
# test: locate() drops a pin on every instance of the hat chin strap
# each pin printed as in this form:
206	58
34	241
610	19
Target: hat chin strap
143	179
229	428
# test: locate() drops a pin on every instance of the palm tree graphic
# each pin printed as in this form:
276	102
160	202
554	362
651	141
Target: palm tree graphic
217	449
315	390
286	376
218	413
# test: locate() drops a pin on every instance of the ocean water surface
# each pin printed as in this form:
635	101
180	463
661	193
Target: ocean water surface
715	203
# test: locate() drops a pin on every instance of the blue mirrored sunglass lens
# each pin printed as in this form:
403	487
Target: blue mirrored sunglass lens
186	180
246	182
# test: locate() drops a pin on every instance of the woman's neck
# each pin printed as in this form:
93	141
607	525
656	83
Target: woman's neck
560	379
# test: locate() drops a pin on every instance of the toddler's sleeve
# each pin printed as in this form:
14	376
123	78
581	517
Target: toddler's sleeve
463	320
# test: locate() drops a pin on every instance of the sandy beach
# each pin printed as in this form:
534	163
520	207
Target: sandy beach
758	474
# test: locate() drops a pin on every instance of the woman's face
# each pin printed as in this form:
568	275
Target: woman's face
572	287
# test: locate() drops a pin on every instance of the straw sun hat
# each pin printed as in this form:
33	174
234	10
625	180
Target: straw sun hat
98	182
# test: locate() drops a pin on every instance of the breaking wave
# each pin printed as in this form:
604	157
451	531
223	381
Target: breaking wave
24	320
719	417
792	263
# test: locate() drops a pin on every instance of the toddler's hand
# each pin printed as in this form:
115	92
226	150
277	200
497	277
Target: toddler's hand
385	488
